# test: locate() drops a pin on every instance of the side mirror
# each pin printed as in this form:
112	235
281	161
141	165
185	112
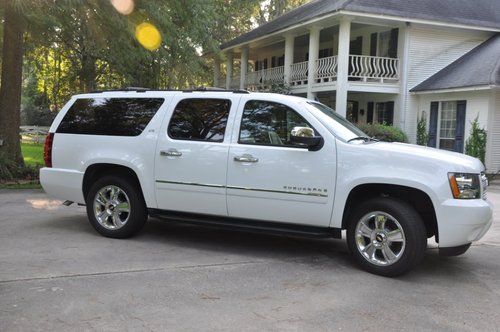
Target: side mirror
306	138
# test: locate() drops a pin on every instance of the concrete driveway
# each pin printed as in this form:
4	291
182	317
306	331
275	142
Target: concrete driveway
57	273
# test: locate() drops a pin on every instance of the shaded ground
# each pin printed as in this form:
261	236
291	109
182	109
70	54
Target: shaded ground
56	273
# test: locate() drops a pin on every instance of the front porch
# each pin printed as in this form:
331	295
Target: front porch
341	56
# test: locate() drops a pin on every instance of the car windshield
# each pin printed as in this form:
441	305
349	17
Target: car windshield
340	125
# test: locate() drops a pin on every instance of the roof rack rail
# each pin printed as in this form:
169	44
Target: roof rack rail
199	89
214	89
136	89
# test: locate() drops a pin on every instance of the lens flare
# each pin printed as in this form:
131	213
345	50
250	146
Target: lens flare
148	36
124	7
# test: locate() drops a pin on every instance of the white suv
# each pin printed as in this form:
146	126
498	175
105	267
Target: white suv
261	162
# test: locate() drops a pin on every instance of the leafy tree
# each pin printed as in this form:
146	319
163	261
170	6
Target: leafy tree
475	145
422	135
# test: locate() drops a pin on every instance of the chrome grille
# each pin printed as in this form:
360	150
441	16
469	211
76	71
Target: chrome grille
484	185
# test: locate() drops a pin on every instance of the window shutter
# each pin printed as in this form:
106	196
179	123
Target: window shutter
460	129
273	62
393	43
369	113
373	44
389	108
433	122
265	63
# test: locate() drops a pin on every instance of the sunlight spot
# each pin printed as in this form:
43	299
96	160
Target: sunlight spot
148	36
124	7
44	204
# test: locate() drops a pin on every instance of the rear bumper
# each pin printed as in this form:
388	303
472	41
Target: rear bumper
62	183
461	222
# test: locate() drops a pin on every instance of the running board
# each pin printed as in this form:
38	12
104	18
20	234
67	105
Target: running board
247	225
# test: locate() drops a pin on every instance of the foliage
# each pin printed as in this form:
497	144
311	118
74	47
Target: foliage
422	135
475	145
384	132
281	88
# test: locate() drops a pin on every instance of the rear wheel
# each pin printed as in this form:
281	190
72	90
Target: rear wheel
115	207
386	236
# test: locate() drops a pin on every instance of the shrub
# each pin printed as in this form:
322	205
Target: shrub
384	132
475	145
422	135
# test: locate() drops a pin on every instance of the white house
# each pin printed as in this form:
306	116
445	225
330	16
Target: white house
386	61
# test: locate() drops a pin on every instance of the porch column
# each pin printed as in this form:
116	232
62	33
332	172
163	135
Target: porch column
229	69
216	71
313	56
243	67
343	66
403	54
289	45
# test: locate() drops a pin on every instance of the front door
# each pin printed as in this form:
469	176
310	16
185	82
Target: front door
192	152
269	178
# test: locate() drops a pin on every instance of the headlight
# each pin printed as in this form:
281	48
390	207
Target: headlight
465	185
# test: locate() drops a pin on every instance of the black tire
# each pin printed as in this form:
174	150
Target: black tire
138	212
413	229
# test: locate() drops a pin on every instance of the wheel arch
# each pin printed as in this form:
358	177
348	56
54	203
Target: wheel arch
417	198
98	170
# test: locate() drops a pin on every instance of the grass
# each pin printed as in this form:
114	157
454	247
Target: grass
33	158
32	153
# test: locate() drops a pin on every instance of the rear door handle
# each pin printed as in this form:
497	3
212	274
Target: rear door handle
246	158
171	153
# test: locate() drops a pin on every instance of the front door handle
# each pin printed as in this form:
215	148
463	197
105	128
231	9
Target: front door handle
246	158
171	153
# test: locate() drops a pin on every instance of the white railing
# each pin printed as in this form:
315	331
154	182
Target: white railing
273	75
326	69
263	79
298	73
235	81
373	68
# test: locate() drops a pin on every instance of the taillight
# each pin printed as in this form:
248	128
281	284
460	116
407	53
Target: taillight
47	150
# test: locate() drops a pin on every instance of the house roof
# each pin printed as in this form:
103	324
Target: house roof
479	67
479	13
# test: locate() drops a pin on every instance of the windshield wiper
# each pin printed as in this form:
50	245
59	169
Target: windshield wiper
364	138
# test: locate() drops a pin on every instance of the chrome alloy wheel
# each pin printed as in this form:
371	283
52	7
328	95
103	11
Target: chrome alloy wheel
111	207
380	238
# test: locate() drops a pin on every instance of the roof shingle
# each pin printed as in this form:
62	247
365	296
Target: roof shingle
481	13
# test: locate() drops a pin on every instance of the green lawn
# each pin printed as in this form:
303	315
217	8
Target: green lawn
33	154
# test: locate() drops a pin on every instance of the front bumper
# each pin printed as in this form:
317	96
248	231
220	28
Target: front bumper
461	222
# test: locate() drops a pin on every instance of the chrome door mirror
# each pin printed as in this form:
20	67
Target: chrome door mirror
305	137
302	132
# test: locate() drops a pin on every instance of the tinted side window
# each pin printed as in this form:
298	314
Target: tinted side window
109	116
268	123
200	120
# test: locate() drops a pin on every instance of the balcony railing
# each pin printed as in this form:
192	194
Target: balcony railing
326	69
373	68
298	73
266	77
361	67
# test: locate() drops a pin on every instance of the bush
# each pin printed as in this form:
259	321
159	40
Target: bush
11	171
475	145
384	132
422	135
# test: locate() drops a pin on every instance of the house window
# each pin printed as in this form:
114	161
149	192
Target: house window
384	43
448	125
385	113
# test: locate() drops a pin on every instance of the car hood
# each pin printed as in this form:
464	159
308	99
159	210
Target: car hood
456	162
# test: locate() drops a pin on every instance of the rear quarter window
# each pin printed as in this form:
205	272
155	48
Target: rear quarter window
109	116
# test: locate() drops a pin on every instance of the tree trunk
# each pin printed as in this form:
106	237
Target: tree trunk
10	89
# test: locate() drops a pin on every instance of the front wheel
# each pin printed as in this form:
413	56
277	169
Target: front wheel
386	236
115	207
